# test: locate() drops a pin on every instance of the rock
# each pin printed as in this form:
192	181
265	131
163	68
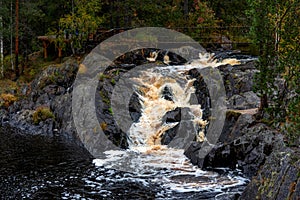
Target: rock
238	79
186	131
169	135
226	43
188	52
244	101
278	178
135	108
46	90
172	116
247	152
230	121
201	93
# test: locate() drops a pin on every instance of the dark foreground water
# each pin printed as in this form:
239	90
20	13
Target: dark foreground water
40	167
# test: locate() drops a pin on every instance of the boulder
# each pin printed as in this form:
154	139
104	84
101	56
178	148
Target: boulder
247	152
244	101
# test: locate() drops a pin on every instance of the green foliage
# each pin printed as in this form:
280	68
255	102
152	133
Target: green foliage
275	32
41	114
292	124
82	20
231	13
201	17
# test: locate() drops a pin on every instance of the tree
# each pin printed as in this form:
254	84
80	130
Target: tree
76	26
275	31
1	43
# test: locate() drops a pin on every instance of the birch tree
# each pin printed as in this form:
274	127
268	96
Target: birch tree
83	20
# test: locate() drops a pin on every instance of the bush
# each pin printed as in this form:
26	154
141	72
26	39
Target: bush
41	114
7	99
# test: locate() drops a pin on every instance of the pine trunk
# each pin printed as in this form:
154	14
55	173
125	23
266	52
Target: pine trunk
17	41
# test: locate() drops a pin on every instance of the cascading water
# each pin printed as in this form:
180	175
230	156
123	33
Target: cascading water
160	90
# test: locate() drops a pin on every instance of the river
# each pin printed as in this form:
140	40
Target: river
40	167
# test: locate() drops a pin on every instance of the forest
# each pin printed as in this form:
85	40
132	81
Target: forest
270	28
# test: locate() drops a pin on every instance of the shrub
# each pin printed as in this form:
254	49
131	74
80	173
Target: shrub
41	114
7	99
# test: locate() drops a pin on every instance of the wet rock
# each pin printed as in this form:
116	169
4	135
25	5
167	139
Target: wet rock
186	131
201	93
169	135
167	94
172	116
247	152
135	108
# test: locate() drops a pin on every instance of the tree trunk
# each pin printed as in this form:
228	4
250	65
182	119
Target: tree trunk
186	9
11	35
17	41
1	44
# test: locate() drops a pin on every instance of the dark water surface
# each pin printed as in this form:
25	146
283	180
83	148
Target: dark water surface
40	167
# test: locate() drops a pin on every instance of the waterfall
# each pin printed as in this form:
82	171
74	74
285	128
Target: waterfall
150	128
161	90
150	87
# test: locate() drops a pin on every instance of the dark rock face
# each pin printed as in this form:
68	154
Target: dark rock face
202	93
235	122
105	114
239	83
51	89
135	108
278	179
247	152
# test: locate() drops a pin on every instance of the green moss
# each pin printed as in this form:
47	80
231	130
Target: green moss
103	76
113	81
41	114
104	98
117	72
110	111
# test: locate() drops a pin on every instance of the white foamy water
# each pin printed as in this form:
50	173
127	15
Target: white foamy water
146	156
